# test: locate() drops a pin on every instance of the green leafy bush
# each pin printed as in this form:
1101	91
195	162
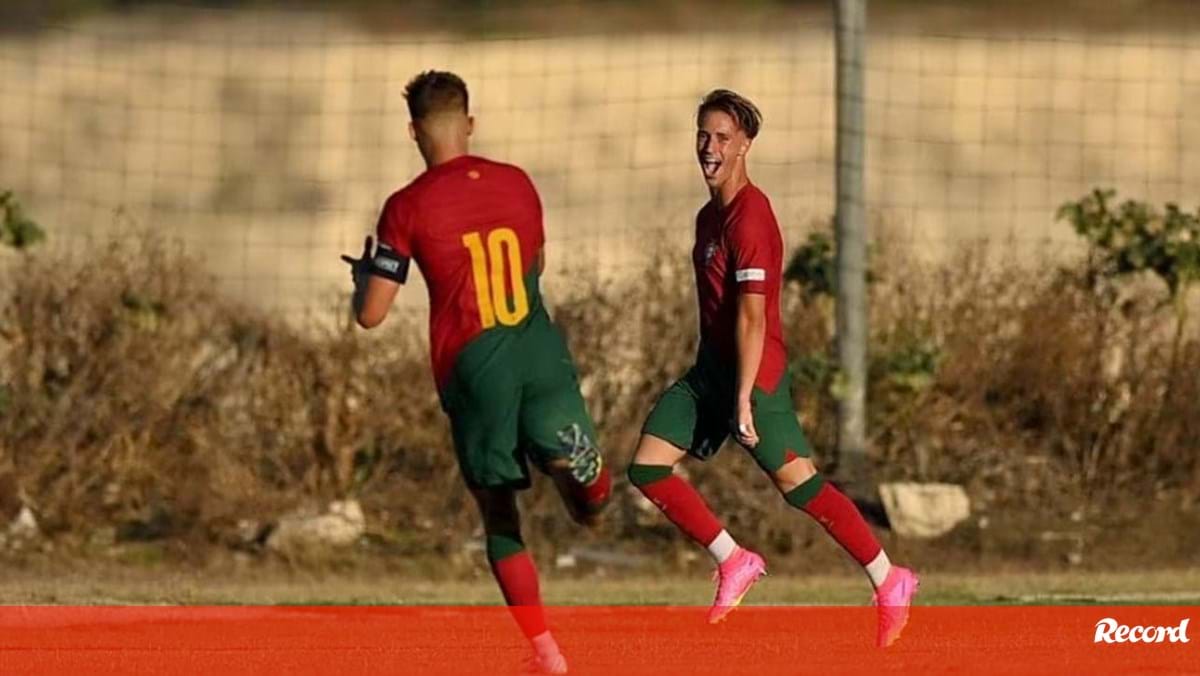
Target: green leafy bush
1135	237
16	229
813	266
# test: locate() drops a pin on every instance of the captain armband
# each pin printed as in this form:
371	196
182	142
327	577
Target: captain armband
389	264
751	275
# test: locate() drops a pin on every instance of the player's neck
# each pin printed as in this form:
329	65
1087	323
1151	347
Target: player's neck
439	145
723	194
437	156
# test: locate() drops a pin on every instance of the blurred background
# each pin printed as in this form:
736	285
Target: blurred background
178	377
265	136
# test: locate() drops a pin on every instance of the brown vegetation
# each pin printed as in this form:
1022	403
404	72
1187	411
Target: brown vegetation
134	398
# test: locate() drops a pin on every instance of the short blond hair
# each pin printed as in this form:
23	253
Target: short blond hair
740	108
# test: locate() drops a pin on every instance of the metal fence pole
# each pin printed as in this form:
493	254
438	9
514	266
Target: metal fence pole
851	21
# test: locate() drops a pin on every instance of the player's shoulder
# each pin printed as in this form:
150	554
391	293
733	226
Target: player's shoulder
480	160
411	190
755	198
502	170
753	205
429	184
402	198
752	216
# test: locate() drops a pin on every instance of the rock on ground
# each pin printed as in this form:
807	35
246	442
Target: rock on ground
920	510
343	524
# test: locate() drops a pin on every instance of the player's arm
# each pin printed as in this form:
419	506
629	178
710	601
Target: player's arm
751	335
754	257
372	303
379	273
377	278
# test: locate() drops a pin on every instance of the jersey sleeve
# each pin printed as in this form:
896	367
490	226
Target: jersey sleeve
394	234
394	229
757	258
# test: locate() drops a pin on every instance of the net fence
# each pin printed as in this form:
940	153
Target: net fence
266	140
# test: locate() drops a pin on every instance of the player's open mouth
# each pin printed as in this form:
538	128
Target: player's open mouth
709	166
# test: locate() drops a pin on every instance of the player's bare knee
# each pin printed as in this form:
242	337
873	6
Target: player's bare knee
653	461
793	473
654	451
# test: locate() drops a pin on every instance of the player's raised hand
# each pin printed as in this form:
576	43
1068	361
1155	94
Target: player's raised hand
368	251
360	267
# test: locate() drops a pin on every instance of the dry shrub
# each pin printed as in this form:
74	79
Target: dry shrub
132	396
137	397
1047	391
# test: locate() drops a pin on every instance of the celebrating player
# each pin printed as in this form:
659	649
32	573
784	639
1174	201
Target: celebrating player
740	380
502	369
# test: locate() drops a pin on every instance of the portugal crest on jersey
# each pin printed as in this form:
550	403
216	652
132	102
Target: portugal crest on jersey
710	250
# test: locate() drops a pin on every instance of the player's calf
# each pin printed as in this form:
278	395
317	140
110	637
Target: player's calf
511	564
651	473
842	520
737	568
585	504
894	586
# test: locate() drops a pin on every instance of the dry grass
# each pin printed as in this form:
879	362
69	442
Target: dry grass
122	586
135	399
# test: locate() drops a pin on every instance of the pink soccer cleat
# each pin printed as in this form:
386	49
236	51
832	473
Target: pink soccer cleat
734	578
892	601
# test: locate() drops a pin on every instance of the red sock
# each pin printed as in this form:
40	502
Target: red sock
833	510
685	508
596	493
518	580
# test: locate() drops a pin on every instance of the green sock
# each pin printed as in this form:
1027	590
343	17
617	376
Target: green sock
502	546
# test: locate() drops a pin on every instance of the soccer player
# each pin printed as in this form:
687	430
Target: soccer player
503	372
740	381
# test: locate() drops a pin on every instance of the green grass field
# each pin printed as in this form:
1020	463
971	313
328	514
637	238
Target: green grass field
1179	587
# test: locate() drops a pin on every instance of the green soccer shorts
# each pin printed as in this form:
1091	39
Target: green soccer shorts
695	414
512	397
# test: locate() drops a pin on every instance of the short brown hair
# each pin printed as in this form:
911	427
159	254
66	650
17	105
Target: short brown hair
736	106
435	91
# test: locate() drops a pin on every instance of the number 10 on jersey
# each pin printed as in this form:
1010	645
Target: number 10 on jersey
488	268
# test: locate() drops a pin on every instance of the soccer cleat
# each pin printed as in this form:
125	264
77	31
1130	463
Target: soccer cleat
539	663
892	601
583	458
734	578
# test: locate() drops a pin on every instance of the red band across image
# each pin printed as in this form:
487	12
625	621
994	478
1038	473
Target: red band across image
594	639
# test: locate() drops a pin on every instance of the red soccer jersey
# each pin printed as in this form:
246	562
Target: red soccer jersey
474	227
739	249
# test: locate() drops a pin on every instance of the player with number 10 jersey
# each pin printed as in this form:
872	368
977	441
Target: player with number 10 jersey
474	227
502	368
